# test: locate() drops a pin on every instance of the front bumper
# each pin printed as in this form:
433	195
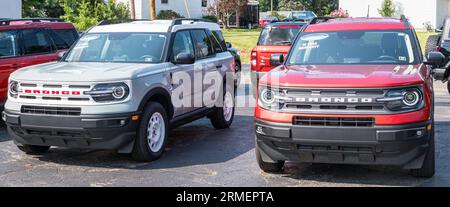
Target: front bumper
115	131
402	145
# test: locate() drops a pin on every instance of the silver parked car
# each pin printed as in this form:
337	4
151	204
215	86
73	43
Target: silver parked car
117	88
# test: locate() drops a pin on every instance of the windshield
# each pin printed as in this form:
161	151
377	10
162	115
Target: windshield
303	15
278	35
353	47
118	47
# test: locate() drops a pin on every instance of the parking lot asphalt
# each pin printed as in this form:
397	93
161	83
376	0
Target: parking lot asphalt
198	155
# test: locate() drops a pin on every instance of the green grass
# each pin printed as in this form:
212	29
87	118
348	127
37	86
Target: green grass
245	40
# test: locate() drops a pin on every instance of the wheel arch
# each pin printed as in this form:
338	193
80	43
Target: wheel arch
161	96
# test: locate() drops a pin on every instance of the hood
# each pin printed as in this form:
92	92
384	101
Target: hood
85	72
345	76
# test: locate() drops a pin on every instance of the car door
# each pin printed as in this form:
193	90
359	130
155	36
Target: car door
205	63
37	47
10	59
182	43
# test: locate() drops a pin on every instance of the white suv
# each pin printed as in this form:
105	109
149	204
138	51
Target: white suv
122	86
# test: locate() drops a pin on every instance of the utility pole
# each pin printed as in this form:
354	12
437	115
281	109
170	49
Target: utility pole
271	6
152	10
132	9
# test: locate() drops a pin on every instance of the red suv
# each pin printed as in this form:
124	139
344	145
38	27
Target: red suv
351	91
275	39
26	42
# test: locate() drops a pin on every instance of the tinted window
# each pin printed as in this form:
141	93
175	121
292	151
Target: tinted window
64	38
182	43
119	47
354	47
219	37
278	35
203	45
36	42
8	44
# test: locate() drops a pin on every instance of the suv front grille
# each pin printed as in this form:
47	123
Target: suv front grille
333	121
333	100
45	110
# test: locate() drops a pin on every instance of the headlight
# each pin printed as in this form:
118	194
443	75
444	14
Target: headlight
271	98
13	88
109	92
403	99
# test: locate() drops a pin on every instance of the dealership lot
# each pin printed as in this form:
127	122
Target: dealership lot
198	155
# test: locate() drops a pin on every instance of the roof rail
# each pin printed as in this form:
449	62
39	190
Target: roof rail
405	21
4	22
180	20
119	21
318	20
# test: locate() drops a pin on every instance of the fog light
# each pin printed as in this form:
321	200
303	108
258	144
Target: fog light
419	133
122	122
259	130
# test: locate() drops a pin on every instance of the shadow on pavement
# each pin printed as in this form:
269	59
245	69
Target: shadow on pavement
197	143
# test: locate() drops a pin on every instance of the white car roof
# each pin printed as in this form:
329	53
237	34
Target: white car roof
157	26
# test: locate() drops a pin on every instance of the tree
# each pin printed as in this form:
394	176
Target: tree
387	8
42	8
290	5
224	9
132	9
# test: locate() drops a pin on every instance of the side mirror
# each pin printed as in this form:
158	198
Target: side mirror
229	45
276	59
435	59
61	54
184	58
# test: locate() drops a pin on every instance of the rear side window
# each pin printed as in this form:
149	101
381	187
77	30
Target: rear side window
8	44
36	42
182	44
203	44
278	35
64	38
219	37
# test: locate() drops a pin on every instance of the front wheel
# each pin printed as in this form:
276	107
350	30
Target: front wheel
428	167
34	149
152	133
268	167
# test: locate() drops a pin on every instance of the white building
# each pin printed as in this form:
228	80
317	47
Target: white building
419	12
186	8
10	9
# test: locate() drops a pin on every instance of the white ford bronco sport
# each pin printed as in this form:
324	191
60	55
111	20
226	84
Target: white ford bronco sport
122	86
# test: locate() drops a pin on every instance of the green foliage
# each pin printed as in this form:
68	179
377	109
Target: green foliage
87	13
290	5
387	8
210	18
42	8
277	15
264	5
168	14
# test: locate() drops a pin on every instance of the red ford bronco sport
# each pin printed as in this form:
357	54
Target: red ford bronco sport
351	91
275	39
26	42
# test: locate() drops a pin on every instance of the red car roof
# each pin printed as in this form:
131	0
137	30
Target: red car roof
358	24
31	25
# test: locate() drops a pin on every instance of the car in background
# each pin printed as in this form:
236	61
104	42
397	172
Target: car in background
237	60
26	42
275	39
264	21
304	16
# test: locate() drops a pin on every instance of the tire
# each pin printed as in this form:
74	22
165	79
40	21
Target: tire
222	118
267	166
448	86
144	149
432	43
238	70
34	149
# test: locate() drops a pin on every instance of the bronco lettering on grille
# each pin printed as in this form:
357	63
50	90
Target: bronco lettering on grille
52	92
334	100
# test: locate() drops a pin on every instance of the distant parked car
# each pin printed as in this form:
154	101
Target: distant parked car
304	16
264	21
26	42
237	60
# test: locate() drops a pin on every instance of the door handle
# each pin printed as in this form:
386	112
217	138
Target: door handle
219	66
